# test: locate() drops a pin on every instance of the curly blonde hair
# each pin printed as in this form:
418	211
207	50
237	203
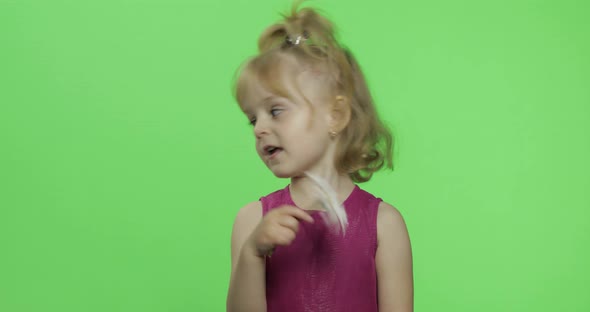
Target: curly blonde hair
366	144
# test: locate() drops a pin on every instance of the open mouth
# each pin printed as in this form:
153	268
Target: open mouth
272	150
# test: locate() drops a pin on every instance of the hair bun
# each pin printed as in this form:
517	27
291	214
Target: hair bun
297	39
300	25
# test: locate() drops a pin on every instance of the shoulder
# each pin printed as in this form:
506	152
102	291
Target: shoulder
245	222
247	218
275	199
387	211
249	213
393	261
390	223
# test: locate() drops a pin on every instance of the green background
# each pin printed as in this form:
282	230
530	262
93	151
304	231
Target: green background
124	159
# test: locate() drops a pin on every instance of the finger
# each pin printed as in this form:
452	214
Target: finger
285	237
289	222
298	213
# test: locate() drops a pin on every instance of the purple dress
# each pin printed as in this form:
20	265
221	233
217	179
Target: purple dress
323	271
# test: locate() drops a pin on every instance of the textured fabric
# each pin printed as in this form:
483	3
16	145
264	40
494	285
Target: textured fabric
322	271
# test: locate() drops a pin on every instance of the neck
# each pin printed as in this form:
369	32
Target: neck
301	188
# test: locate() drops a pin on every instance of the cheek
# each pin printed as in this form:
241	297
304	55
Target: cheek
306	121
315	126
299	123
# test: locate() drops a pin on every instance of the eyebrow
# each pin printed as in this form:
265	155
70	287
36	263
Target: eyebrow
266	99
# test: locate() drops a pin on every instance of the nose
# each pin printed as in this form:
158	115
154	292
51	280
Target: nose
260	128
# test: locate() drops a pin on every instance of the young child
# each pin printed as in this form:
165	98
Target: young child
312	113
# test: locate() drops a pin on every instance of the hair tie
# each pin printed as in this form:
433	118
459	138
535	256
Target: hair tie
296	40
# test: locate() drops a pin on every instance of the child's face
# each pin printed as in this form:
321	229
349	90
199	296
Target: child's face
291	137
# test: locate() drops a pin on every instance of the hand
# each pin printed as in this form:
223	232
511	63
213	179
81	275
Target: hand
278	227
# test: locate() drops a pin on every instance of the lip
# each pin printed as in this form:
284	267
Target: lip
270	156
265	147
274	155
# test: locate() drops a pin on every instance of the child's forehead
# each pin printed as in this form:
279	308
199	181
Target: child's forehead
255	91
288	85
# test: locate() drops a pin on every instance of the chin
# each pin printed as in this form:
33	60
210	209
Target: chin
289	175
282	175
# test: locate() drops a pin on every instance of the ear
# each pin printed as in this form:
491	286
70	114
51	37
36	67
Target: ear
340	113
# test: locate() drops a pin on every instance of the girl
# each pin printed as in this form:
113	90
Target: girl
311	111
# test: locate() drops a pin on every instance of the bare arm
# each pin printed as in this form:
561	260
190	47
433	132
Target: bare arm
394	262
247	285
253	237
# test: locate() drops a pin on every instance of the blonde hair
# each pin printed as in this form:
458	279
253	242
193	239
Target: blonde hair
366	144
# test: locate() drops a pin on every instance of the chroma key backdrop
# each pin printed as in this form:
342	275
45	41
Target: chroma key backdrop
124	158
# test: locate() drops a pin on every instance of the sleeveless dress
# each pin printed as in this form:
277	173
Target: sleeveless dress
321	270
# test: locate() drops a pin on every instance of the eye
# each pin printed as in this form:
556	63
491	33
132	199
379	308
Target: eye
275	111
252	121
